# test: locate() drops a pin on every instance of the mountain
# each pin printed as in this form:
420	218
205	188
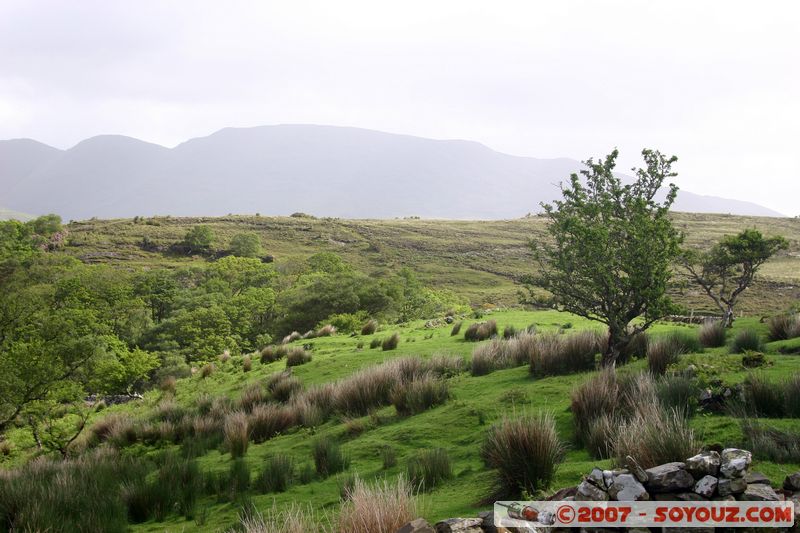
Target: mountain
323	170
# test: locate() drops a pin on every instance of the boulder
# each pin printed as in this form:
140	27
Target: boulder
596	478
420	525
589	492
706	486
608	478
704	464
637	471
757	478
757	492
735	462
792	482
728	486
679	497
459	525
670	477
626	488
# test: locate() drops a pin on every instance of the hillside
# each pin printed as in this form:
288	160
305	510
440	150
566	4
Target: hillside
480	260
325	170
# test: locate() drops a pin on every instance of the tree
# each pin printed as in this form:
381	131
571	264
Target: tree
729	268
199	239
612	248
246	245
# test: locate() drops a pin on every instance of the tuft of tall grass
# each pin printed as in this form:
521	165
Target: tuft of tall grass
747	340
286	519
366	389
207	370
662	353
509	331
389	457
763	397
635	349
328	457
599	439
284	389
428	468
596	397
374	343
277	474
293	336
770	443
555	354
782	327
712	334
370	327
268	420
236	433
254	394
297	356
525	452
416	396
446	366
390	342
383	507
678	392
654	436
270	354
247	363
456	328
480	331
326	331
791	395
168	384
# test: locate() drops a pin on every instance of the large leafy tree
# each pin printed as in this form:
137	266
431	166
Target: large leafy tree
612	247
730	267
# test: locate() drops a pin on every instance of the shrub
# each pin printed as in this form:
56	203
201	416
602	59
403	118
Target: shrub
268	420
654	436
747	340
509	331
370	327
428	468
328	458
784	327
678	392
389	457
291	337
525	452
661	353
283	389
297	356
762	397
480	331
207	370
253	395
168	384
380	508
374	343
753	359
791	395
326	331
270	354
712	334
277	474
247	363
413	397
390	342
456	328
236	432
224	357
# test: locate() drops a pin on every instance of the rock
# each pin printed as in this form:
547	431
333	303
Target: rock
420	525
589	492
792	482
757	478
459	525
449	319
679	496
608	478
728	498
727	486
637	471
758	493
626	488
687	530
705	395
735	462
706	486
670	477
704	464
596	478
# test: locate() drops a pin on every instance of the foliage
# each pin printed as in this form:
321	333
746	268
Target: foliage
199	238
612	248
246	245
730	267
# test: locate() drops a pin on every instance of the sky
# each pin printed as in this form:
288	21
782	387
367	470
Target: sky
714	82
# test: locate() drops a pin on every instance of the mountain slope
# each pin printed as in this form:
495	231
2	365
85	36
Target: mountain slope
324	170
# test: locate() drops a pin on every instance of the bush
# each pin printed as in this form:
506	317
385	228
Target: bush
509	331
712	334
413	397
525	452
784	327
370	327
247	363
270	354
747	340
374	343
791	395
207	370
753	359
253	395
480	331
283	389
654	436
328	458
246	245
390	342
762	397
237	435
456	328
678	392
268	420
326	331
168	384
277	474
661	353
428	468
380	508
297	356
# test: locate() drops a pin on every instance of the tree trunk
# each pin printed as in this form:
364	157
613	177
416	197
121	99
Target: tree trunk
727	317
616	338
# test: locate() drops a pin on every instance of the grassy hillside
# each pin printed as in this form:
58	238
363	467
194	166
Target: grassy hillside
7	214
481	260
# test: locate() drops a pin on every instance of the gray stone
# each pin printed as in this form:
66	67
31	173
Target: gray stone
679	496
727	486
758	493
589	492
757	478
670	477
792	482
706	486
637	471
459	525
596	477
728	498
626	488
420	525
608	478
735	462
704	464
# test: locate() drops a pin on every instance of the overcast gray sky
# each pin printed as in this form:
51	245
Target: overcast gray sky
715	82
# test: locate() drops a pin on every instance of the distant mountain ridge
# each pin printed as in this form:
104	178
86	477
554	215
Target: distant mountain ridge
322	170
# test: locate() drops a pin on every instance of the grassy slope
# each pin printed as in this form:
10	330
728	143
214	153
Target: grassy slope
480	260
457	426
7	214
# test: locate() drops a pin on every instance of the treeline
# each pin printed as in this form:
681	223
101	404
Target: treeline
69	329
